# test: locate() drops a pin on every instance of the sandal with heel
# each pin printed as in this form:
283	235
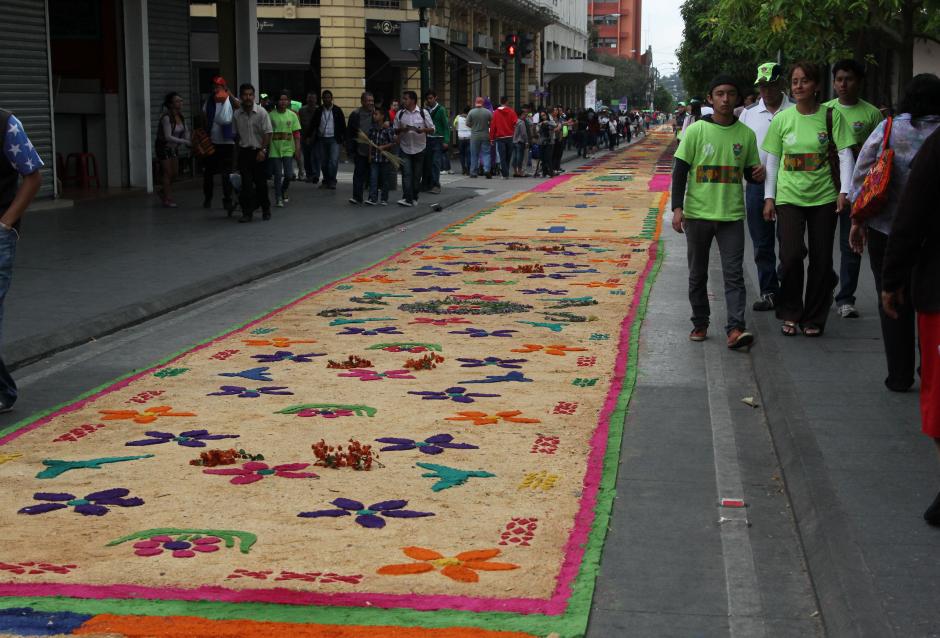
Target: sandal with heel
788	328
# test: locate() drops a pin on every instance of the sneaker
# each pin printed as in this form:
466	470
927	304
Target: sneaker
244	219
435	190
369	202
765	303
489	176
848	311
279	203
286	198
323	186
698	334
4	408
353	200
383	203
405	202
738	338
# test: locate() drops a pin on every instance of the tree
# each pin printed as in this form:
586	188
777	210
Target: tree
704	53
662	99
631	80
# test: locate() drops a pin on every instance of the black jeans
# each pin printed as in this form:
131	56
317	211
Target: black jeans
360	174
254	182
763	236
219	163
412	167
557	149
699	234
898	334
818	223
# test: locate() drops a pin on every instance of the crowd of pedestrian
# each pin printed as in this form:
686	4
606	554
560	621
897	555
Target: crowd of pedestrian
810	167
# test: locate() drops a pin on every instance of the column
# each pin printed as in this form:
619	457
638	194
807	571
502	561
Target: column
246	43
343	50
137	75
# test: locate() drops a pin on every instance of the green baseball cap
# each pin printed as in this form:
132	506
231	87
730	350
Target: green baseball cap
769	72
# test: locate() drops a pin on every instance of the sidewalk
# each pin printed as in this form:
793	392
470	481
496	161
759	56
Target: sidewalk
90	269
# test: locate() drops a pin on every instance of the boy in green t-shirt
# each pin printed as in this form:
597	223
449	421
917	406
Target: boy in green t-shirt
862	117
285	146
716	153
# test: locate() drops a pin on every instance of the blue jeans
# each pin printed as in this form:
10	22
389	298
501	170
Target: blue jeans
433	162
463	147
360	175
379	173
283	174
479	150
850	264
518	155
504	147
8	241
763	236
412	167
328	154
311	160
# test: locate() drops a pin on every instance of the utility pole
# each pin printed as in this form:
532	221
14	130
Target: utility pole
424	40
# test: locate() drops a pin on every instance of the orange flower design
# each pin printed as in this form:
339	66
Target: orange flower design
555	349
377	279
277	342
482	418
147	416
613	283
463	567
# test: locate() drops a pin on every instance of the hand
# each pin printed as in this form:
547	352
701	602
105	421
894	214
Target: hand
843	203
759	173
890	302
677	220
445	146
261	156
857	237
770	210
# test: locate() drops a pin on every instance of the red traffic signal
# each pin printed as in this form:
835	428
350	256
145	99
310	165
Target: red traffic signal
511	45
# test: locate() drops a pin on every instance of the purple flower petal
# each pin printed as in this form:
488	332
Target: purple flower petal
455	390
42	508
398	448
439	438
192	443
159	435
91	510
430	449
388	505
348	504
116	492
458	446
194	433
324	513
134	501
406	514
148	442
370	520
462	399
396	441
53	496
216	437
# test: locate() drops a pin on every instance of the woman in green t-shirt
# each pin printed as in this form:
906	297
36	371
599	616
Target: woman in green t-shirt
803	193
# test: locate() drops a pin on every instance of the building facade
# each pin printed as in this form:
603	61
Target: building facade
566	70
619	25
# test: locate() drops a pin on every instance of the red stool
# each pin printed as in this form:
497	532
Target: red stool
86	169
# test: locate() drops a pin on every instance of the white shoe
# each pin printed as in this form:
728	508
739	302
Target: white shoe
848	311
279	204
404	202
353	200
368	202
286	199
383	203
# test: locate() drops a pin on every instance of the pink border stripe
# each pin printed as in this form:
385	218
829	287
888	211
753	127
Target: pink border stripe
544	187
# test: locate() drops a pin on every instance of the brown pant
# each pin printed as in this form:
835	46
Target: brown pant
818	223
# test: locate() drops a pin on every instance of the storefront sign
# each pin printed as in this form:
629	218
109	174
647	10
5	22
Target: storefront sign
383	27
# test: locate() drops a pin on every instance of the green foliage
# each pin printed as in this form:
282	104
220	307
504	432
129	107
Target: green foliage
703	54
631	79
662	99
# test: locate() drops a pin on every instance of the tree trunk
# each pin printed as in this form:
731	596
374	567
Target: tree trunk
906	50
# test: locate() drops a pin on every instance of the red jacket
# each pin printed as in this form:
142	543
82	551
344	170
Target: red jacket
503	123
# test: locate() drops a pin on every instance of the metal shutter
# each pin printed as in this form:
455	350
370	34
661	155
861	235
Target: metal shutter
24	78
168	25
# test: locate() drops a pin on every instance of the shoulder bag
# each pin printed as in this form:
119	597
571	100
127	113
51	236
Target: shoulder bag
874	194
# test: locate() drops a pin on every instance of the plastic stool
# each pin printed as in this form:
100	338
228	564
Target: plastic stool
83	162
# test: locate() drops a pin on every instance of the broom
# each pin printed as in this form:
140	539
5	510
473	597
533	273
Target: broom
391	157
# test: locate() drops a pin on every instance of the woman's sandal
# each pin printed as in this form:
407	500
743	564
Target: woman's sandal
812	331
788	328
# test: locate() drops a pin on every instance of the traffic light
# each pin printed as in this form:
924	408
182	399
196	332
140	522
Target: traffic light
511	46
525	45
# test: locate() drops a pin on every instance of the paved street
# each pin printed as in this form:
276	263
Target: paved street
832	467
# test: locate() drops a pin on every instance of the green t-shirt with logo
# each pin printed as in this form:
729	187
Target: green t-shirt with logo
717	156
802	144
282	140
862	117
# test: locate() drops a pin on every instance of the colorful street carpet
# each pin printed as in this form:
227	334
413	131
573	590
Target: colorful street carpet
425	448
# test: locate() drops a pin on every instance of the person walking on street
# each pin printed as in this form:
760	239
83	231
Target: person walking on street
412	126
220	110
919	117
912	269
561	136
804	192
285	146
546	127
438	143
253	126
328	131
21	161
171	134
770	82
862	118
360	120
717	152
393	109
463	139
479	119
520	139
380	174
502	130
307	146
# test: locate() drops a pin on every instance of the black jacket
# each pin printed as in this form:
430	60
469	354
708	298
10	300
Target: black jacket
339	125
914	242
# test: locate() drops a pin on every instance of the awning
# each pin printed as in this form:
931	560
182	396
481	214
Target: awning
471	57
575	70
274	49
390	46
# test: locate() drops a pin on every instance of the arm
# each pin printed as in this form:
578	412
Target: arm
168	132
680	177
770	187
846	166
24	197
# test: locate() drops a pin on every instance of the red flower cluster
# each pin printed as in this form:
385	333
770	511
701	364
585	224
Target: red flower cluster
427	362
355	455
352	361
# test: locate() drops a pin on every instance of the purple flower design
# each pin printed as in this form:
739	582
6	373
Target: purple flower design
568	265
515	375
512	364
434	271
94	504
434	289
367	516
373	375
477	332
455	393
431	445
484	251
246	393
371	332
543	291
554	275
190	438
284	355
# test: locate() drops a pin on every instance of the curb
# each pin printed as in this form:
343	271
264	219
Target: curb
29	350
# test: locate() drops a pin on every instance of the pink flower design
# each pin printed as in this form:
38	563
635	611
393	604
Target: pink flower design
155	545
371	375
327	413
253	471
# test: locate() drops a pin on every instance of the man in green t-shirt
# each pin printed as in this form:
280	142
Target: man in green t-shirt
862	117
716	153
285	146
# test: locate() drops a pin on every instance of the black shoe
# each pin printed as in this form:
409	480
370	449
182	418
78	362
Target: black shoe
765	303
265	215
207	203
244	219
895	386
932	515
489	176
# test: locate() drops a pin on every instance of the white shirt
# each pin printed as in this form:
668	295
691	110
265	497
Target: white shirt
757	118
326	123
412	142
